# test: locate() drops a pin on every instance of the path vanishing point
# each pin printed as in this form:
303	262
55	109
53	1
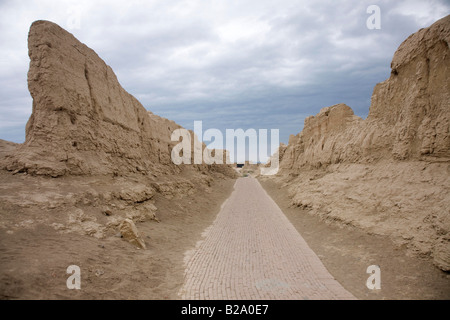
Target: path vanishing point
252	251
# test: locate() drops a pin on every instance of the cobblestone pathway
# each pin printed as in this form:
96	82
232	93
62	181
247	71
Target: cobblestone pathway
252	251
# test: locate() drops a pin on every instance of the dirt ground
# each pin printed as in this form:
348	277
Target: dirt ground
347	252
34	259
34	255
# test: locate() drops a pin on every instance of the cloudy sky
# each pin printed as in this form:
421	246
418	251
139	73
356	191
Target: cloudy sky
262	64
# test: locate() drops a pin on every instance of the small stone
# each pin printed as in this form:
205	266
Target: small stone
129	232
99	272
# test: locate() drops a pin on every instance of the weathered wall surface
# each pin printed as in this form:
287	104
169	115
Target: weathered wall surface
408	118
387	174
83	121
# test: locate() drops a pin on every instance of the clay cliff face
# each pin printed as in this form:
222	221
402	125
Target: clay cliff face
83	121
321	141
415	100
408	117
387	174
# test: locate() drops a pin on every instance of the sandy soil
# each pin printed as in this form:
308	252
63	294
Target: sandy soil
34	258
347	252
34	255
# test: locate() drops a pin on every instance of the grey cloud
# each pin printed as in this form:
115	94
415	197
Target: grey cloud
172	56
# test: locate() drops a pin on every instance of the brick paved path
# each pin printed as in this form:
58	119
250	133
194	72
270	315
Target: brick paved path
252	251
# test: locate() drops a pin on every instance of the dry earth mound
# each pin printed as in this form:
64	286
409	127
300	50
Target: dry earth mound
111	157
389	173
83	121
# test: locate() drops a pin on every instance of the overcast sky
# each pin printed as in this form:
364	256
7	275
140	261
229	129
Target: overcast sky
258	64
